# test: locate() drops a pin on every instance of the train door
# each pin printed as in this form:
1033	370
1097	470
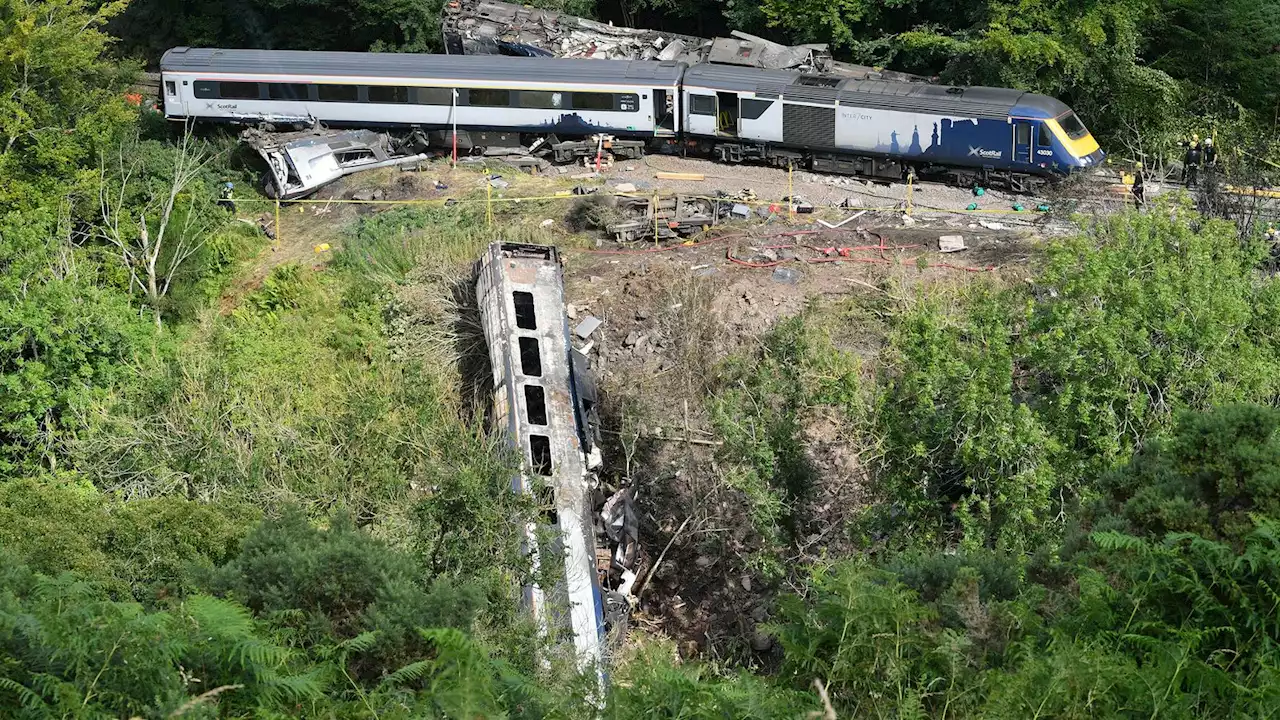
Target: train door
1022	142
727	114
701	114
664	112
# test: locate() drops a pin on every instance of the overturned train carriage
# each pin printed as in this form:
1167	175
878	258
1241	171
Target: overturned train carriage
568	107
544	402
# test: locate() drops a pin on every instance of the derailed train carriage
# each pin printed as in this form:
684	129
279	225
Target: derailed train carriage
544	403
875	128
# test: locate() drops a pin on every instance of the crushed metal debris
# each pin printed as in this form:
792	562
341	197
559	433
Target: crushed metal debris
488	27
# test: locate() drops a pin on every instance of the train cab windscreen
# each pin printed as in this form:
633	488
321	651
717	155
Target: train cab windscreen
1072	126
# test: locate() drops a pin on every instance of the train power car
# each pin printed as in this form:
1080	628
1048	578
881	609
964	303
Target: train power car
542	405
826	123
882	129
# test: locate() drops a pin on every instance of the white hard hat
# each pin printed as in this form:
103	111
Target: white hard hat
1208	141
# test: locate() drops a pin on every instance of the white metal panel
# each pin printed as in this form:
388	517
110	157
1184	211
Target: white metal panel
889	131
698	124
768	127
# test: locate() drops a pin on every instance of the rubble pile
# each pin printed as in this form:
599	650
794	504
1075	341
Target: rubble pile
488	27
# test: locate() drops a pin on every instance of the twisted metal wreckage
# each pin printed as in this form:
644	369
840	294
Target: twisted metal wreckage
302	162
583	548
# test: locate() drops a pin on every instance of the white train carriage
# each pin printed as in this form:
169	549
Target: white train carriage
538	403
565	97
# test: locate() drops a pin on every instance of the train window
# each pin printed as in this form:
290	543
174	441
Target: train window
170	87
1072	126
1021	134
388	94
530	357
1042	137
540	455
287	91
753	109
338	93
535	404
702	105
542	99
525	317
592	101
238	91
206	89
433	96
489	97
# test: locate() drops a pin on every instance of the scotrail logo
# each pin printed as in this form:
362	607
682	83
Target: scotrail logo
979	152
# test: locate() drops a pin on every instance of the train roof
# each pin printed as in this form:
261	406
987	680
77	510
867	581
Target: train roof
881	94
420	66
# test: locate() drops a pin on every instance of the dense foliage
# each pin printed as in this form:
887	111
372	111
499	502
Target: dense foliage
263	492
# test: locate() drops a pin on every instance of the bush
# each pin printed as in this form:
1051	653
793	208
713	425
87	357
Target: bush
1003	406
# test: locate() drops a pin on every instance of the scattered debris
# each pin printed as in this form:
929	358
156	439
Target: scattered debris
498	183
548	222
991	225
587	326
488	27
625	187
908	221
854	216
951	243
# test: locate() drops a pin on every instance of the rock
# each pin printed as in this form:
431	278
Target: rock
642	315
625	187
378	194
950	243
562	170
594	279
786	254
761	642
703	561
548	222
362	196
908	221
769	254
786	276
746	583
632	338
570	311
760	613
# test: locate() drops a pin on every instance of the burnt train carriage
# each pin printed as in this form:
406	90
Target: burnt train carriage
880	129
493	99
543	402
827	123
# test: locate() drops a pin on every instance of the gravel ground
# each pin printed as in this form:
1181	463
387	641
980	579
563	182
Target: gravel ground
828	191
